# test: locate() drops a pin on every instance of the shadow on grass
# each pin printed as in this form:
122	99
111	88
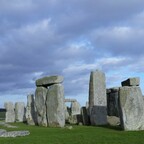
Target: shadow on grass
117	128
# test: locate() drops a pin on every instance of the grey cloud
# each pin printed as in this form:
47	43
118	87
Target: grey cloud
69	38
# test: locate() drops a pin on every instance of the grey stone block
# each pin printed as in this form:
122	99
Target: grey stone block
10	113
40	103
97	98
131	108
131	82
49	80
55	106
20	112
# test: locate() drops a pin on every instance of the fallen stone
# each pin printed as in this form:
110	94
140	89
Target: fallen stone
4	124
113	120
49	80
69	127
131	82
4	133
40	103
131	108
55	106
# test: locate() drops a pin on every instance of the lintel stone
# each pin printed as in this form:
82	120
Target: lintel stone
131	82
49	80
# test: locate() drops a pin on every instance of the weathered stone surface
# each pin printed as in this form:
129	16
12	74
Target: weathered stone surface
131	108
97	98
85	116
4	133
112	102
67	113
49	80
10	113
98	115
4	124
55	106
75	108
31	114
70	100
131	82
113	120
75	119
40	103
20	111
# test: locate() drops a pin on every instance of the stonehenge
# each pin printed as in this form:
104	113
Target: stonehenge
123	105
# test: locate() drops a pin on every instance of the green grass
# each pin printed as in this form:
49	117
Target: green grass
2	115
77	135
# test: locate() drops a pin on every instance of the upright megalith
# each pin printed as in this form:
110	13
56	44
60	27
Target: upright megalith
85	116
10	113
75	108
40	102
131	108
20	112
55	106
97	98
112	101
31	114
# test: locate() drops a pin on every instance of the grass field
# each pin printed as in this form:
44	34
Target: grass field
2	115
77	135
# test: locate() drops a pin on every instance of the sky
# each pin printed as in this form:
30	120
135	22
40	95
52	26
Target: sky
70	38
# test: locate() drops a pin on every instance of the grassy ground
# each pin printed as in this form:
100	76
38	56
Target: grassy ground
2	115
77	135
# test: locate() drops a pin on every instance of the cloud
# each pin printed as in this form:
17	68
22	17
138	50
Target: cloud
69	38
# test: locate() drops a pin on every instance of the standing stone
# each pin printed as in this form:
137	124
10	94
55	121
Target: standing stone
40	102
97	98
85	116
10	113
131	82
112	102
20	111
67	114
75	108
55	106
75	116
131	108
31	115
